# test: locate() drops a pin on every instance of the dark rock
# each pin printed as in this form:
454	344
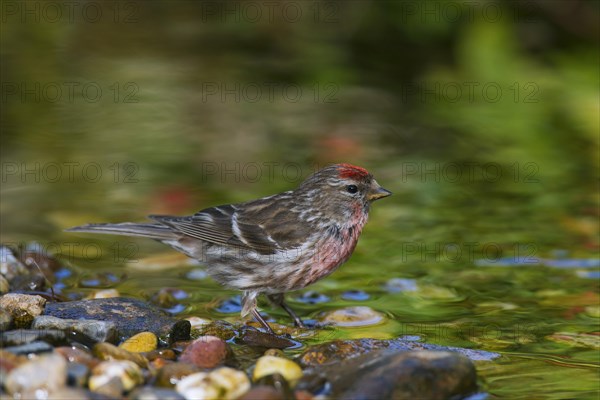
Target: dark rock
4	285
107	351
30	348
172	373
279	383
77	374
220	329
398	375
253	337
92	330
24	336
10	266
151	393
5	320
339	350
28	282
165	354
263	392
74	354
130	316
206	352
22	307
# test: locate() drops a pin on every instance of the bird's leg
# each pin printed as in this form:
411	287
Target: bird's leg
260	319
249	307
278	300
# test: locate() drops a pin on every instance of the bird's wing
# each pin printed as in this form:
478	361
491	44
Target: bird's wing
252	225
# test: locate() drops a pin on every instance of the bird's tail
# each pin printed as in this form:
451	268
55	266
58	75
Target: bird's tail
153	231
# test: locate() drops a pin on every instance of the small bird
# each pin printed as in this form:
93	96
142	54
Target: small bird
271	245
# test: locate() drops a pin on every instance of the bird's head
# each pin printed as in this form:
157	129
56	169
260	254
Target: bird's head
343	189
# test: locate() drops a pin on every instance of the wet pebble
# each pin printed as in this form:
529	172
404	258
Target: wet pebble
253	337
74	354
140	343
355	295
30	348
107	351
47	373
220	329
5	320
113	377
206	352
223	383
23	308
10	266
198	323
165	354
269	365
151	393
353	317
28	282
69	393
4	286
263	392
19	337
77	374
172	373
94	330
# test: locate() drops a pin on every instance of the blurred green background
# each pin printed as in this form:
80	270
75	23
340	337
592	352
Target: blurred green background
482	117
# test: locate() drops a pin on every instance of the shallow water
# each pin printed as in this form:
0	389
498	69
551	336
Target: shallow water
489	242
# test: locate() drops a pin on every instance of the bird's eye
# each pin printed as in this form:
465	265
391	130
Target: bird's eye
352	189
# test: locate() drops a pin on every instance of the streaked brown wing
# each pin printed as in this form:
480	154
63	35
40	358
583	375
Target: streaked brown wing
253	225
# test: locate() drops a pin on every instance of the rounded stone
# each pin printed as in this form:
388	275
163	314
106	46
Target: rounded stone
223	383
206	352
4	286
269	365
22	307
262	392
107	351
172	373
47	372
126	372
140	343
353	317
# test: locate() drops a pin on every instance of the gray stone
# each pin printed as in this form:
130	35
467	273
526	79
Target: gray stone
5	320
4	286
30	348
22	307
151	393
77	374
340	350
48	372
24	336
399	375
10	266
130	316
93	330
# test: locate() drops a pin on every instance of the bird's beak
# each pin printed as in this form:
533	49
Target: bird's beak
377	192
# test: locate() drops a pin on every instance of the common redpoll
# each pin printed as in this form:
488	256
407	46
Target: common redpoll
275	244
